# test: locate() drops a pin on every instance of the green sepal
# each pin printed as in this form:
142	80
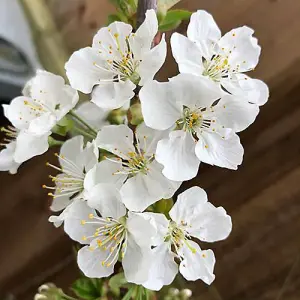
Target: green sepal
136	116
63	126
163	206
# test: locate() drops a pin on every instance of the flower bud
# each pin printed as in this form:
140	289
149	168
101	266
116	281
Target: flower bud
186	294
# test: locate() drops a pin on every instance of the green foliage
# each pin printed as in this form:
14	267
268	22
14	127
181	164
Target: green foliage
173	19
125	8
116	283
88	288
165	5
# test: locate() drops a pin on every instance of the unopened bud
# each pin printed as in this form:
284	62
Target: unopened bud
40	297
186	294
173	292
46	287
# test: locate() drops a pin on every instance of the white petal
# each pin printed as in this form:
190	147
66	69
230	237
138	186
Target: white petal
43	123
90	262
214	150
142	190
209	223
104	172
29	145
90	156
93	114
112	95
244	49
60	203
7	162
163	268
86	68
51	92
159	107
107	200
137	221
198	265
204	31
186	204
232	112
177	155
252	90
187	54
112	38
148	138
135	262
152	61
74	214
195	91
71	154
117	139
141	41
19	114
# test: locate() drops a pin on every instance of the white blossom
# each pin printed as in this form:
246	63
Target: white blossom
110	233
117	62
192	216
205	120
46	99
222	59
75	161
145	183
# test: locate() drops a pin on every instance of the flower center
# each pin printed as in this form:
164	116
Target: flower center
110	236
217	68
69	182
178	236
194	120
10	135
120	60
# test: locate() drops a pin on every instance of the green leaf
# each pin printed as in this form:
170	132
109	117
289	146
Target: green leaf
116	282
129	294
173	19
112	18
125	7
87	288
165	5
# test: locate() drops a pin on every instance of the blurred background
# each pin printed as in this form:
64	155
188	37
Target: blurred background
260	259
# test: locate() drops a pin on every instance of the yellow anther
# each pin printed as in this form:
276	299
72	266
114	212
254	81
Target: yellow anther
26	102
82	222
203	255
84	238
103	263
91	216
224	106
91	248
116	35
206	146
99	242
96	234
112	249
108	264
233	34
44	186
50	194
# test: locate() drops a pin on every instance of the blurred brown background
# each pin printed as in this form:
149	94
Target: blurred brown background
263	196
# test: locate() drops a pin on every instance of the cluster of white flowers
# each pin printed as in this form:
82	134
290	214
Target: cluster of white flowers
105	197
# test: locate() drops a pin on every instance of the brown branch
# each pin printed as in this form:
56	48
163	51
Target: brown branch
143	6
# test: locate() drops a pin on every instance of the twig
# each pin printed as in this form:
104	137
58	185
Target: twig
288	278
143	6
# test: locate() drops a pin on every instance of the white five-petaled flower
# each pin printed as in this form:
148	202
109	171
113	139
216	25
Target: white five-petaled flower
145	184
75	161
205	121
222	59
111	234
117	62
46	99
191	216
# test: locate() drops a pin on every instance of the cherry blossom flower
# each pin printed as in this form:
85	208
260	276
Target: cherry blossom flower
110	233
145	182
222	59
117	62
75	161
192	216
46	99
206	121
